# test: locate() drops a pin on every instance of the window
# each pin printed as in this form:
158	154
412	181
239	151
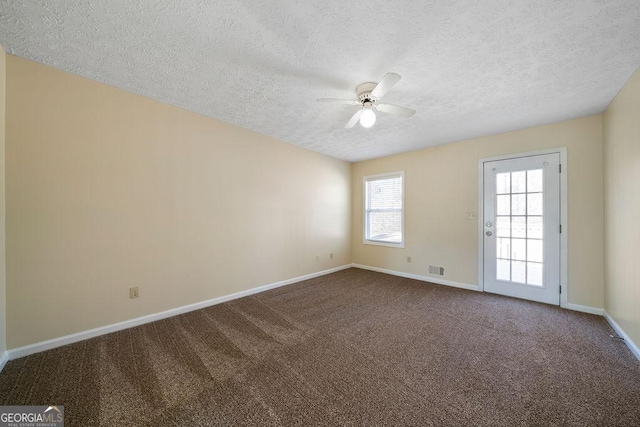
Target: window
383	209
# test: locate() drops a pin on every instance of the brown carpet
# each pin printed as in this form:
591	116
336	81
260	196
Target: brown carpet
352	348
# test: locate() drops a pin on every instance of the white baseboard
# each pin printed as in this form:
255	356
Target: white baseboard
4	359
16	353
419	277
585	309
632	346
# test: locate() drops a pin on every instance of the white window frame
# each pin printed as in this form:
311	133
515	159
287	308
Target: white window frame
365	221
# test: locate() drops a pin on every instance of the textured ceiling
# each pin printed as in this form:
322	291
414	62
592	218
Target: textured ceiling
469	67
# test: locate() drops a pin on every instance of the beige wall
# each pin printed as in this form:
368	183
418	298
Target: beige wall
441	185
622	208
3	345
108	190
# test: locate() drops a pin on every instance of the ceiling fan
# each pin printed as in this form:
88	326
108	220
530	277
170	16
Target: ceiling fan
369	95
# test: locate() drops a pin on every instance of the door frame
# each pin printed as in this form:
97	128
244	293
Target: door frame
563	215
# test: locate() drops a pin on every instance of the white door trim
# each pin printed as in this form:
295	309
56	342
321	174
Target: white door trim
564	279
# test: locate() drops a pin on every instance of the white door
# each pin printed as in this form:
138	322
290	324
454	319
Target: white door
521	227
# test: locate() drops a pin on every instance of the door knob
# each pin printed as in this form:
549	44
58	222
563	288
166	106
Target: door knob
488	233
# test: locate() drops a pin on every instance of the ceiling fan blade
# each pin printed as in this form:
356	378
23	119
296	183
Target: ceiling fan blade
394	109
338	101
354	119
388	81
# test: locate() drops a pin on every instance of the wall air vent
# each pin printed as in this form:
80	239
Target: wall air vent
439	271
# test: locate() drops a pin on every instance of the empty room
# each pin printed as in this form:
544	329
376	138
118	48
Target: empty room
319	213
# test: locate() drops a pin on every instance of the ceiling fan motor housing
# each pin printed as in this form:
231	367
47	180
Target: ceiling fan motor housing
364	93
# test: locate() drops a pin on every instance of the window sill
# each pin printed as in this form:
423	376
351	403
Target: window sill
380	243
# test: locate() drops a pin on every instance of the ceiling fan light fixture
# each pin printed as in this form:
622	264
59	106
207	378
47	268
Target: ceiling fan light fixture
368	117
369	95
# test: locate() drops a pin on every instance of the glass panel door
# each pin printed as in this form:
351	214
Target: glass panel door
521	227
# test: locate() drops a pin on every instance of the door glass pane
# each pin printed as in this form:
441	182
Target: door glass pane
518	204
534	273
503	248
519	182
503	183
519	249
534	250
503	226
534	204
503	270
518	226
534	227
504	203
534	181
518	271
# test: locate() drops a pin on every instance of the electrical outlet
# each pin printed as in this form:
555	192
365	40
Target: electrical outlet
133	293
471	216
317	258
331	256
409	259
